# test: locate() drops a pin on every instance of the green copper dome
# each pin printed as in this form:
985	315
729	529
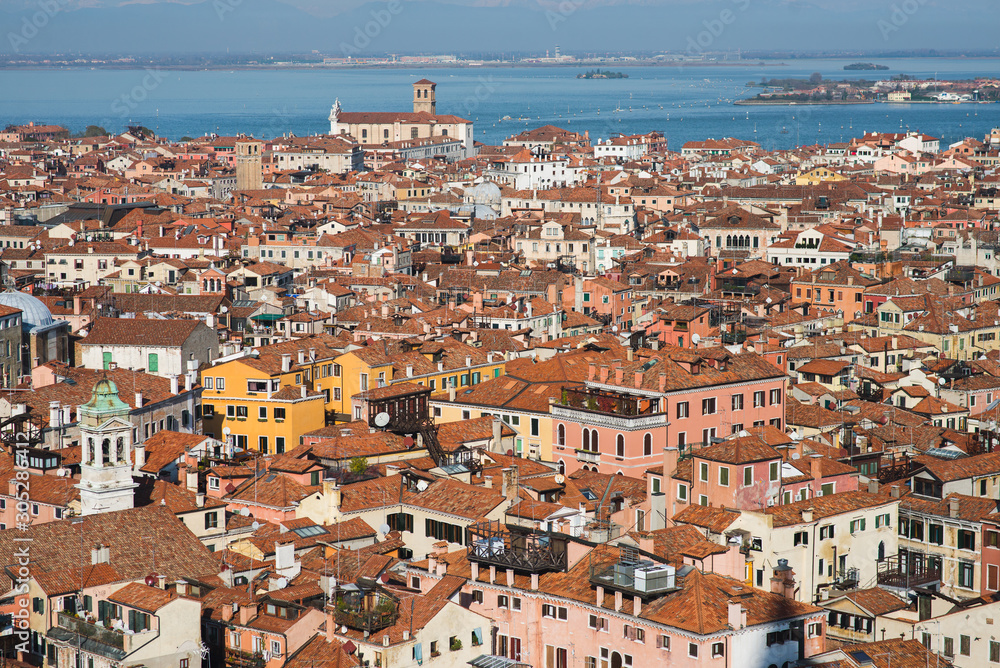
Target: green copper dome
104	401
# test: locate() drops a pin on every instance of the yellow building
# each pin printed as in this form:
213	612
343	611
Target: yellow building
819	175
269	399
434	364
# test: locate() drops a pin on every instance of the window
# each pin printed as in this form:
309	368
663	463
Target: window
935	533
708	406
994	651
773	470
682	409
504	603
758	399
647	445
966	574
663	641
682	492
826	532
534	427
154	363
262	444
241	411
800	538
883	520
718	650
724	476
737	400
965	645
949	647
262	413
620	445
966	540
748	476
208	382
279	413
704	471
220	383
693	650
775	397
857	525
212	520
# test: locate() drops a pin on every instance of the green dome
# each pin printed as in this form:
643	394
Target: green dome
104	401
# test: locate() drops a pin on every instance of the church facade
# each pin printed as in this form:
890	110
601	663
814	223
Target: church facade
375	129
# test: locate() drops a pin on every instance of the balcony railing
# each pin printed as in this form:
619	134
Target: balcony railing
612	403
494	544
906	571
240	659
94	632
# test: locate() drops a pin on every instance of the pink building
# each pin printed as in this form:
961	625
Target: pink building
619	607
629	410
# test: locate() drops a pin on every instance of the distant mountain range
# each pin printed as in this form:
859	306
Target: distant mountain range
425	26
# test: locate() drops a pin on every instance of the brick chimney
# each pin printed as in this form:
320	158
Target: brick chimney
783	580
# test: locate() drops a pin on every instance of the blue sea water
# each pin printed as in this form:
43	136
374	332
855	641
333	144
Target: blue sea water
685	103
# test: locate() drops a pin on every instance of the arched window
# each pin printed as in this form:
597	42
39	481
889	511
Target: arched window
561	434
106	450
647	445
586	439
562	467
121	449
594	441
620	445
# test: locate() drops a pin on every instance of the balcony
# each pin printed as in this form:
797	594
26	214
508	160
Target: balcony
618	410
364	606
906	571
493	544
240	659
95	632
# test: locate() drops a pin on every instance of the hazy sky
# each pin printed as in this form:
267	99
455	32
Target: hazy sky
694	26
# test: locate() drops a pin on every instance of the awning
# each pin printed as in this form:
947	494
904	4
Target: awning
490	661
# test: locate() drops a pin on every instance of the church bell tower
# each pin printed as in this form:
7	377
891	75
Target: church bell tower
106	483
425	97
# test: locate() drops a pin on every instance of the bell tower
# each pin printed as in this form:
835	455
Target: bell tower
249	173
425	97
106	483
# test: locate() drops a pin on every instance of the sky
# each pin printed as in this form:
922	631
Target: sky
369	27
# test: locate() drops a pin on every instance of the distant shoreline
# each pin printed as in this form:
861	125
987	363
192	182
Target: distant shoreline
800	103
386	66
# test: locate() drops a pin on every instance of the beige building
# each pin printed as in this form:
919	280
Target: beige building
385	127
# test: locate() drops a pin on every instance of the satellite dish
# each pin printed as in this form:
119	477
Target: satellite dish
282	582
384	529
381	420
695	338
942	382
408	442
560	478
244	511
226	431
255	525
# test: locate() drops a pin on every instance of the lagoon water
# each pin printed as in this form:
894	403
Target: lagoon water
685	103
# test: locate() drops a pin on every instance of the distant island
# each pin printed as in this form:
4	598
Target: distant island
865	66
602	74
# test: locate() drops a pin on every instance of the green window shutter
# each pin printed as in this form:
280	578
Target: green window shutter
107	360
154	362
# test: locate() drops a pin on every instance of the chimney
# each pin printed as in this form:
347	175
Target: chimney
816	467
735	615
619	375
497	435
619	598
468	361
894	492
191	480
138	399
55	415
199	499
604	373
175	385
247	612
600	597
591	371
302	357
77	308
807	515
638	379
783	580
509	485
670	457
409	370
953	507
873	487
662	382
139	454
100	554
334	496
534	582
286	362
228	610
302	389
